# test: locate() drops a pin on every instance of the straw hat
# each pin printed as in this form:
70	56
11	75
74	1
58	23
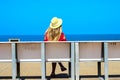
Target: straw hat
55	22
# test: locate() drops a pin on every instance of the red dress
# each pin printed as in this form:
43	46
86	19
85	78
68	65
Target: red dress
62	37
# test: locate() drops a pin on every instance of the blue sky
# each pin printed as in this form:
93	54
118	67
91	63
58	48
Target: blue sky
32	17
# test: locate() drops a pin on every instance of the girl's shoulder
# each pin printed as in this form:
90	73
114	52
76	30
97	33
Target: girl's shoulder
62	37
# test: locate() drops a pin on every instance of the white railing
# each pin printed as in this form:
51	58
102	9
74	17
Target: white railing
70	51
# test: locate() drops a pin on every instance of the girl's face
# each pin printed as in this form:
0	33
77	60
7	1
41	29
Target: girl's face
56	30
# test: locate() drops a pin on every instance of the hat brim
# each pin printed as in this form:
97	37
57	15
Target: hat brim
57	25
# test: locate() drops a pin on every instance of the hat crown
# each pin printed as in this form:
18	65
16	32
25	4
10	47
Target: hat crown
54	21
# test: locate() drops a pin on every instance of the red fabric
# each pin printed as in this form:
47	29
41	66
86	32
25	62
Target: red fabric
62	37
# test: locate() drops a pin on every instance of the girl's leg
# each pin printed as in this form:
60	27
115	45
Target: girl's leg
53	68
62	67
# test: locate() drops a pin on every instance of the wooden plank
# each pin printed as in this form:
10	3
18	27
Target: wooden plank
29	51
90	50
114	51
57	50
5	52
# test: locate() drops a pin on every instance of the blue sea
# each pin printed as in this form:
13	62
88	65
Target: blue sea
82	37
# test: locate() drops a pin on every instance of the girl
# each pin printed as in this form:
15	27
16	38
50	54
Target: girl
54	33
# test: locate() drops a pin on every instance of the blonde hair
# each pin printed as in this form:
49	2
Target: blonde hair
54	34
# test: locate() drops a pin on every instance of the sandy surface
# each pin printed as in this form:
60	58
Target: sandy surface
34	69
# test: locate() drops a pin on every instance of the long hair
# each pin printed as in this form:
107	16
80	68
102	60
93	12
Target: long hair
54	34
